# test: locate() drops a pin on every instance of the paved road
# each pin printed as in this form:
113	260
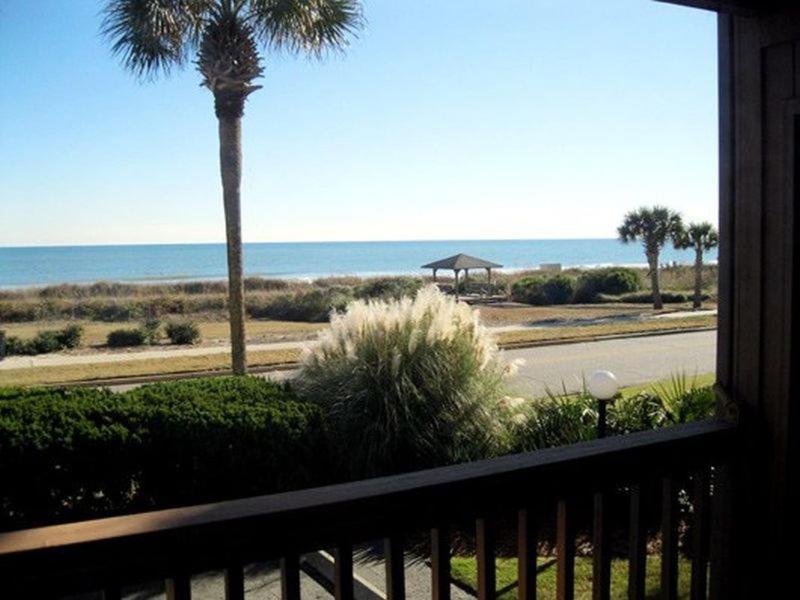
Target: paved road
632	360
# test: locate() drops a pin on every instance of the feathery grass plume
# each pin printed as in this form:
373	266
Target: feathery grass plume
408	384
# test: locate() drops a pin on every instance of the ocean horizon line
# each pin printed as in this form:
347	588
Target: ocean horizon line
222	243
39	266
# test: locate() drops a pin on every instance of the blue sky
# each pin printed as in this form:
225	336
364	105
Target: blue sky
446	119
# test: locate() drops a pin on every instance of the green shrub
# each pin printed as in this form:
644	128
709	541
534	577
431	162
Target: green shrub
539	290
612	281
87	452
50	340
666	296
183	332
122	338
406	384
70	336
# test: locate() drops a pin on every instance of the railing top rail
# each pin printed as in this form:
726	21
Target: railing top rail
254	527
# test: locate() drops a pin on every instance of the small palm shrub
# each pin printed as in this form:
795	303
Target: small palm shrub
613	281
407	384
152	330
183	332
122	338
555	420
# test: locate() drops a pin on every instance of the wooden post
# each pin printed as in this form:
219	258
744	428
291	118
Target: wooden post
434	275
455	287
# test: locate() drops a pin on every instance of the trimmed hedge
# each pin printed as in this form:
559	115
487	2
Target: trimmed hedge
611	281
87	452
183	332
123	338
538	290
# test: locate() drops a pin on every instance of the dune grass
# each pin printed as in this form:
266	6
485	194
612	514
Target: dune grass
464	571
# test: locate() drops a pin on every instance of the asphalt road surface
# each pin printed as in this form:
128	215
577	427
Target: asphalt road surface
633	360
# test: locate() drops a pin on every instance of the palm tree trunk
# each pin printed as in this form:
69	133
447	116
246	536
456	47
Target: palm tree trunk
652	259
230	162
698	278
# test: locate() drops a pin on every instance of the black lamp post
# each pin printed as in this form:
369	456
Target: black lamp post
603	386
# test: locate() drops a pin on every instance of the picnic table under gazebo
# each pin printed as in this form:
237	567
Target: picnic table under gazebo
463	262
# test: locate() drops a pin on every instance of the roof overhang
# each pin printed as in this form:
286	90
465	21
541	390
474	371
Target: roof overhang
747	8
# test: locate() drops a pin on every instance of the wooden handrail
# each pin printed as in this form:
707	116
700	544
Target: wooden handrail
191	539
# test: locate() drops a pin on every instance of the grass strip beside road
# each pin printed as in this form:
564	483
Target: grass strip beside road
587	332
265	358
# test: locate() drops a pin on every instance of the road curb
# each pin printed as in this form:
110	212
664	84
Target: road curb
288	366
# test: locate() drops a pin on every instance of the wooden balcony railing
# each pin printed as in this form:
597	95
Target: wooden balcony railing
173	544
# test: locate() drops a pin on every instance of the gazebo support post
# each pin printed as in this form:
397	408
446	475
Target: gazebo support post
455	287
488	281
434	275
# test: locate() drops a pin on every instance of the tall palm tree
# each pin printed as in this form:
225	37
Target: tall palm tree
702	237
653	227
224	38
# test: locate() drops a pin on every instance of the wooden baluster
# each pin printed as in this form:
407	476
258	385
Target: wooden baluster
700	537
601	567
343	572
527	540
565	552
669	540
440	563
637	547
234	583
485	542
395	568
179	587
290	577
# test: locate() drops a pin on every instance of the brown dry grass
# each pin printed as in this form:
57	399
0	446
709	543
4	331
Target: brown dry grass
95	332
138	368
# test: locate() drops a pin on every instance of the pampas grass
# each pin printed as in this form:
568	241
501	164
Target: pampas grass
408	384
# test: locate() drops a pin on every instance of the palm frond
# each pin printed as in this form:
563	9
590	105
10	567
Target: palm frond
152	36
312	26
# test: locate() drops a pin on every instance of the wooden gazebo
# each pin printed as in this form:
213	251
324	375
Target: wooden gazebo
462	262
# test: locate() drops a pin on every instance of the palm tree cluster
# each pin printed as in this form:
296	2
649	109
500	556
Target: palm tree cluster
656	226
225	39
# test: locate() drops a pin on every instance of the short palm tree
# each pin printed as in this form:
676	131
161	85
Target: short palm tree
702	237
224	38
653	227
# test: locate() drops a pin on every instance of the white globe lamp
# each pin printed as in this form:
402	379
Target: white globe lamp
603	385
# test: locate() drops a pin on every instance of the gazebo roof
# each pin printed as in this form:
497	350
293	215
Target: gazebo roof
462	261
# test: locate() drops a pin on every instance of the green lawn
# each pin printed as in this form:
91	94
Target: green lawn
464	571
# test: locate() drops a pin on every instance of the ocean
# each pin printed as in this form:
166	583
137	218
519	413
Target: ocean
36	266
